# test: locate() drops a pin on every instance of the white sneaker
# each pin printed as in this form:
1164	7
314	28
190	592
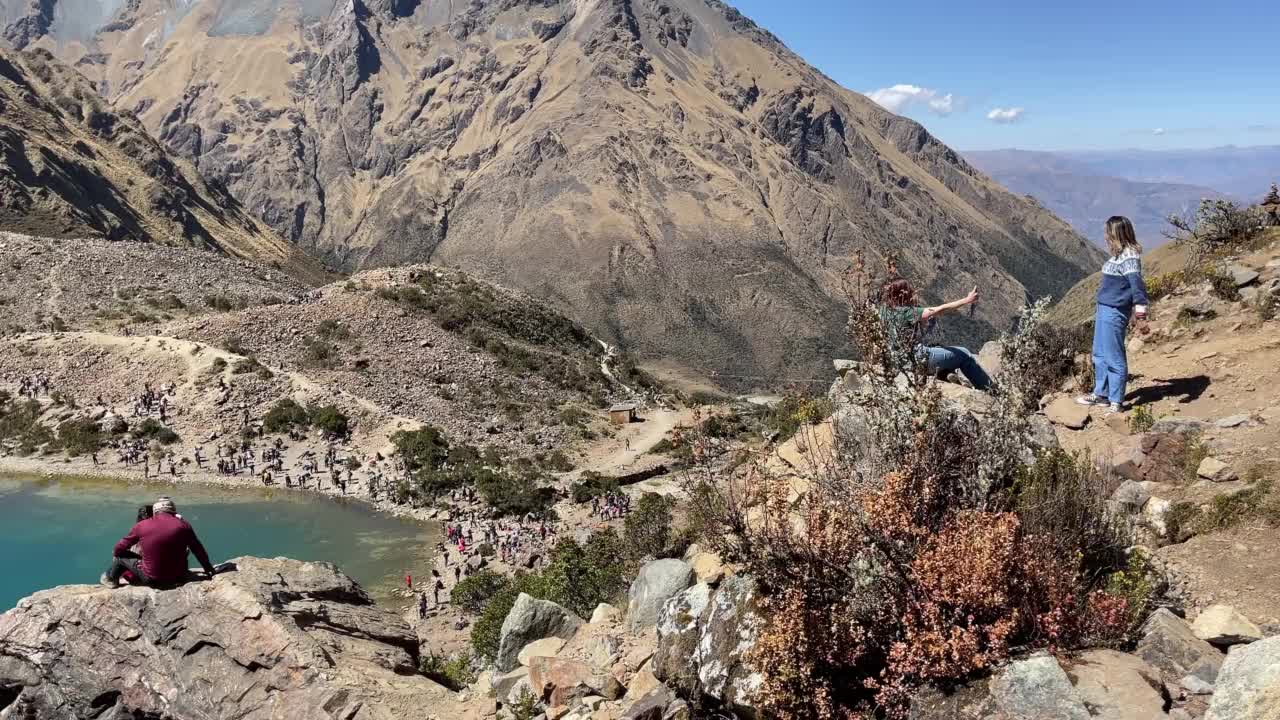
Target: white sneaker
1114	408
1090	399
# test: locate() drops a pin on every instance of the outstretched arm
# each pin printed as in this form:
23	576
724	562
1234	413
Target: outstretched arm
933	312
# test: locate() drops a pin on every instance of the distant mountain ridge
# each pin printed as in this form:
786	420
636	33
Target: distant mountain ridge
1088	186
664	170
1080	194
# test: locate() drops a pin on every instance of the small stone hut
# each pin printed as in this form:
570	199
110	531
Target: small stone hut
622	413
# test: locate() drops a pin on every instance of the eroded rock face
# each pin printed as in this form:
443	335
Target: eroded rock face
272	639
704	639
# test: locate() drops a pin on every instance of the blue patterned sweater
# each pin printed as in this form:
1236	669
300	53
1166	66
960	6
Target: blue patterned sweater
1122	285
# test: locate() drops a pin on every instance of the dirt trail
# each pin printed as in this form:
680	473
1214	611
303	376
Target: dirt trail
634	442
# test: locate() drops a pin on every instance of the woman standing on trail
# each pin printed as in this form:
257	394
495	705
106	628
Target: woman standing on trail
1121	294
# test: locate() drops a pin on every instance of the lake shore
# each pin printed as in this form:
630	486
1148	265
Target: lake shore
82	467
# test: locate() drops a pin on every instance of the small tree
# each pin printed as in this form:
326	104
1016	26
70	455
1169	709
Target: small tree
648	527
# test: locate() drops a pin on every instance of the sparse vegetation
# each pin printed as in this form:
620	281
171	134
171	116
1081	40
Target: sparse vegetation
1141	419
577	576
1218	226
647	529
284	415
454	673
592	484
925	549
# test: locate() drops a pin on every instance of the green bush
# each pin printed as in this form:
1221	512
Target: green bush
285	414
79	437
1136	584
514	492
333	330
648	527
1141	420
592	484
152	429
454	673
1223	286
320	354
423	448
794	412
475	592
486	632
329	419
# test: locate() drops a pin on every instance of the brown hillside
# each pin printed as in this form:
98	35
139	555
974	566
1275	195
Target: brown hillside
666	171
71	167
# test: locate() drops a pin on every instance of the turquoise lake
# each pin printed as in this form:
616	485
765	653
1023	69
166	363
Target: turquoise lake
61	531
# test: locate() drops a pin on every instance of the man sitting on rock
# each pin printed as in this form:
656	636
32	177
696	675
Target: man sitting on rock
165	539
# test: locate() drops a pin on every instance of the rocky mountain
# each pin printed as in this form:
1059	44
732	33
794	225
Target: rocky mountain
1083	195
665	170
72	167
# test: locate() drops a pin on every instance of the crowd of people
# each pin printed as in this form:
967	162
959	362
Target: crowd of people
30	386
611	506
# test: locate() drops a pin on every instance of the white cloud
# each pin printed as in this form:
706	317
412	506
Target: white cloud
1006	116
1158	131
899	97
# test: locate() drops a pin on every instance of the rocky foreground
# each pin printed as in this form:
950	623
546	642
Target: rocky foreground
286	639
271	639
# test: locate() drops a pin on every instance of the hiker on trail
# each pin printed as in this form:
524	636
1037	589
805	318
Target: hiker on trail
408	581
1122	294
901	311
422	606
165	539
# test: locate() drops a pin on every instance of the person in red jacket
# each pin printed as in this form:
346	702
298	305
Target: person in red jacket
165	539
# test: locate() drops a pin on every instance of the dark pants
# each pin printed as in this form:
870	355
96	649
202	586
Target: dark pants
133	564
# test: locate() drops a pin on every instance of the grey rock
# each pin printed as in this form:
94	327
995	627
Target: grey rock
1213	469
1223	626
1233	421
270	639
1248	687
1195	686
1036	689
1179	426
1167	642
1242	275
704	641
1117	686
653	706
531	620
657	582
1131	496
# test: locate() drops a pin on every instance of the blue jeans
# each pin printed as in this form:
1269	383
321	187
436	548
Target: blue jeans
948	358
1110	366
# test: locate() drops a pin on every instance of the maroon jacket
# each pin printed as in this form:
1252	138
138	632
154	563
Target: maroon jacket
165	540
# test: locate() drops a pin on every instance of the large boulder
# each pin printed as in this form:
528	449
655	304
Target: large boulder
1248	686
528	621
1068	413
268	639
656	583
558	681
1036	689
1223	625
704	639
1168	644
1116	686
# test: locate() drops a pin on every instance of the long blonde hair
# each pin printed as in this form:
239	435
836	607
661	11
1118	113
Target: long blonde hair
1120	236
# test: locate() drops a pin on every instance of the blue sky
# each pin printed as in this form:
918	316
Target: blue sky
1052	75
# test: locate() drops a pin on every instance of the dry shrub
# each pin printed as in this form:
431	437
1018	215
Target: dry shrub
920	550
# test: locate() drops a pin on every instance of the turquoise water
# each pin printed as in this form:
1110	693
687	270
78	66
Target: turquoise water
61	531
